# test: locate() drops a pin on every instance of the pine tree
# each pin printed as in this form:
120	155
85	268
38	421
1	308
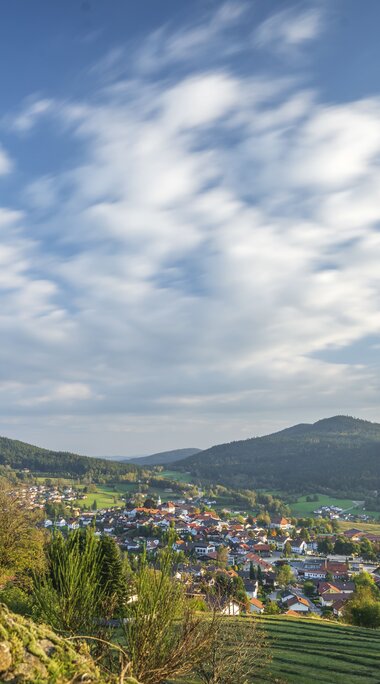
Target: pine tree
111	574
72	596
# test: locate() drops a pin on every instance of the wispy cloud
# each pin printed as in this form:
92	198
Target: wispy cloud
168	46
32	111
211	36
6	164
288	29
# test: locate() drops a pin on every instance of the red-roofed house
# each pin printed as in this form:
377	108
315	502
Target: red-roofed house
256	606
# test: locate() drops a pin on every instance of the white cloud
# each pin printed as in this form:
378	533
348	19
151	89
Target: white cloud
288	29
33	110
351	131
42	193
6	164
200	100
210	34
61	394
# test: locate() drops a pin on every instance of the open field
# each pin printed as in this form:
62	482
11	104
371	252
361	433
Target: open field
114	495
311	650
108	495
303	507
105	496
176	476
366	527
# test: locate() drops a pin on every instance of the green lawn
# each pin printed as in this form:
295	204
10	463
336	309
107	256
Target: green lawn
312	650
105	496
176	476
303	507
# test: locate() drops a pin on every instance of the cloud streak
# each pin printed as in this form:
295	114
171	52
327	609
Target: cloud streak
289	29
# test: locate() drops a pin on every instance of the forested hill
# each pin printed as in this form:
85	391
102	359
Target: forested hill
340	454
19	455
163	457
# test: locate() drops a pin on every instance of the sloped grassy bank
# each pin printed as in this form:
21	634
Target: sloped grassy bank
312	650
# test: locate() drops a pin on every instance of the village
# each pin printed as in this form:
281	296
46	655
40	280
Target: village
254	566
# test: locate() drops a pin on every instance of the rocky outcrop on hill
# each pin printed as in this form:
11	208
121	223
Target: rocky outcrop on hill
31	654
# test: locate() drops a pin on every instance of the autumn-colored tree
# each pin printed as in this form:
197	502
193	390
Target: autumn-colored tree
21	542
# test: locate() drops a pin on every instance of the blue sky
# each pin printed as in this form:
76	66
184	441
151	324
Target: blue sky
189	243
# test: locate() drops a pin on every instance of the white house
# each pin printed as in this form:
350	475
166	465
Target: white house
73	526
298	545
299	604
232	607
280	542
168	507
203	548
280	523
251	588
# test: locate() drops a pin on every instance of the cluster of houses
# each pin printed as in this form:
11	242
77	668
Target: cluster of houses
338	513
212	544
37	496
331	512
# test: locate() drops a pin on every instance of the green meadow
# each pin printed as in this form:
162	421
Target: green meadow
176	476
303	507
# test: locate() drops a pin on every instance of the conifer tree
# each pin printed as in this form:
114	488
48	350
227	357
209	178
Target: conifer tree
73	595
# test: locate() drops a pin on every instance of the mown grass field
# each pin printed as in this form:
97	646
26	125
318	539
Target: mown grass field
365	527
176	475
105	496
303	507
312	650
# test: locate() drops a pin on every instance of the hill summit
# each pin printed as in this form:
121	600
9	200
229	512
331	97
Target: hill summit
163	457
340	454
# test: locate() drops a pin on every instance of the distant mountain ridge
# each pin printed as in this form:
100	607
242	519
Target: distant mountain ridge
19	455
163	457
340	454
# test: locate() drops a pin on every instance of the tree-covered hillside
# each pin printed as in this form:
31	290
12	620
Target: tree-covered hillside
163	457
339	454
19	455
